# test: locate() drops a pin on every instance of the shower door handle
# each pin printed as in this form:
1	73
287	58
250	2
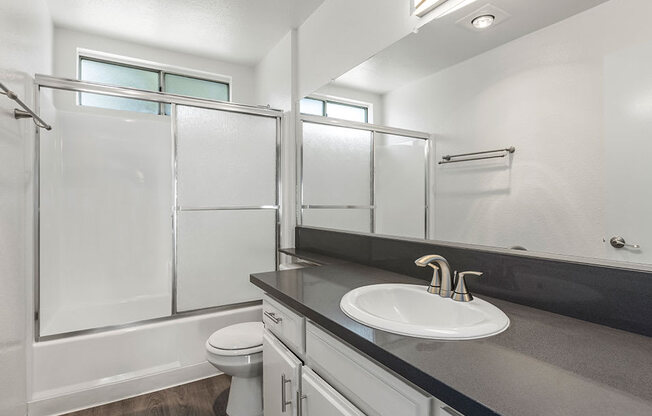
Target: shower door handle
284	400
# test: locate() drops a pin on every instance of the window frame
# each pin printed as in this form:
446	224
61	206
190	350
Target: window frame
161	69
325	99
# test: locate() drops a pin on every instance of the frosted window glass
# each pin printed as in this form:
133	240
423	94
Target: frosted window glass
336	165
346	112
122	76
195	87
105	219
400	186
225	159
340	219
312	106
216	252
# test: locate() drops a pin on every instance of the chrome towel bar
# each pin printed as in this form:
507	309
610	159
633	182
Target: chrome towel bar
454	158
26	112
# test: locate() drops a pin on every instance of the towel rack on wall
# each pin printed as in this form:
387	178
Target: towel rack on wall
26	112
489	155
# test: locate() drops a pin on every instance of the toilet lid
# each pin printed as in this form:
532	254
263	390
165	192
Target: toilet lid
237	337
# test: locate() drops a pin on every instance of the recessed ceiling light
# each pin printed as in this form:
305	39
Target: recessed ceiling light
483	22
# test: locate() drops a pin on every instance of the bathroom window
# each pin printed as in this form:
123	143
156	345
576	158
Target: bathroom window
336	109
144	78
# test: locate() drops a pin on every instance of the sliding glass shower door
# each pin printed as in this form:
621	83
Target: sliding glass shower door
105	212
226	205
145	216
363	177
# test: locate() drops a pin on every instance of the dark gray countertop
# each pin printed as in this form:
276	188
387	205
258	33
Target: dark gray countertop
543	364
310	256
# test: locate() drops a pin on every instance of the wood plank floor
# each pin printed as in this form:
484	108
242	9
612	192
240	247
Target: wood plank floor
206	397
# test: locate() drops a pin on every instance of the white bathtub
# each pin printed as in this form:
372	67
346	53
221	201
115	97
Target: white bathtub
88	370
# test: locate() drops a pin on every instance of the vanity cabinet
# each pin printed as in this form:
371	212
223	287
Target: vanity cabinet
291	389
309	372
281	377
321	399
373	389
287	325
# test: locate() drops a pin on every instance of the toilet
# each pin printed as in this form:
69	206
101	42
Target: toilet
237	350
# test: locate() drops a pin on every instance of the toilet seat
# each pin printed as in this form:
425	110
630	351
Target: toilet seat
239	339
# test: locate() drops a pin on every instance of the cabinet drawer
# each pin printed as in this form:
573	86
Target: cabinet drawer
287	325
374	390
320	399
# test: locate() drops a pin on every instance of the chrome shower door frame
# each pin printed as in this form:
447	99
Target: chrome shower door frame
372	129
56	83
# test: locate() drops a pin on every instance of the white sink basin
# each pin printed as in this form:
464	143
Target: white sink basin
410	310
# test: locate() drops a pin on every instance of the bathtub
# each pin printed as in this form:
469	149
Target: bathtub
88	370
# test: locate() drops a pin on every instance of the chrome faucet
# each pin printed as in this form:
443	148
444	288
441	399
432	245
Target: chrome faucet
461	293
441	284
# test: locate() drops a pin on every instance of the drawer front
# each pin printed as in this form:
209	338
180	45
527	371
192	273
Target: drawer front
320	399
374	390
287	325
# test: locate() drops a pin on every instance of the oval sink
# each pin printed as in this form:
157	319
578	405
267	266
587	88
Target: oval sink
410	310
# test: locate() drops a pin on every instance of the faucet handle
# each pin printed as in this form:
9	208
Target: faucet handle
461	293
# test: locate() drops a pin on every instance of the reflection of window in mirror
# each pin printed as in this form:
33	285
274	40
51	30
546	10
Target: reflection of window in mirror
336	109
421	7
439	8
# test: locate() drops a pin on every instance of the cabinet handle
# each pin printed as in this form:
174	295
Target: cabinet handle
451	411
284	401
300	397
273	317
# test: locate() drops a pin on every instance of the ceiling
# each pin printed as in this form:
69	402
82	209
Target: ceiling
443	42
238	31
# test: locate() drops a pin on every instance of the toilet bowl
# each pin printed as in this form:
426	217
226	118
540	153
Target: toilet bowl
237	350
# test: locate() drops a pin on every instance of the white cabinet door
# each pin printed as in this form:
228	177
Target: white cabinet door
320	399
281	378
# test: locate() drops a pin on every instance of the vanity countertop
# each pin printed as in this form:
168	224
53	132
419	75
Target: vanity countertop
544	364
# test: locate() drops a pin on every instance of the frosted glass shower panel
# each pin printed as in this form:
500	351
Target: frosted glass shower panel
336	165
105	217
217	250
225	159
400	192
340	219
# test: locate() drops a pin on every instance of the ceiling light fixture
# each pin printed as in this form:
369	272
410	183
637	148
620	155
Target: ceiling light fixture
483	22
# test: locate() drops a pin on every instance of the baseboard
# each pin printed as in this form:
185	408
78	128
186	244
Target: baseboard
95	396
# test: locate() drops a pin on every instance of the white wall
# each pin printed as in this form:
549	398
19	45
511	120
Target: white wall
67	41
276	85
341	34
274	75
545	94
26	34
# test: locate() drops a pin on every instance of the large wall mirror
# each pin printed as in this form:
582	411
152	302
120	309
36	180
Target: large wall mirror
566	84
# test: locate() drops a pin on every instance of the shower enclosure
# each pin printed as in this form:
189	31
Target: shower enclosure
156	212
362	177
